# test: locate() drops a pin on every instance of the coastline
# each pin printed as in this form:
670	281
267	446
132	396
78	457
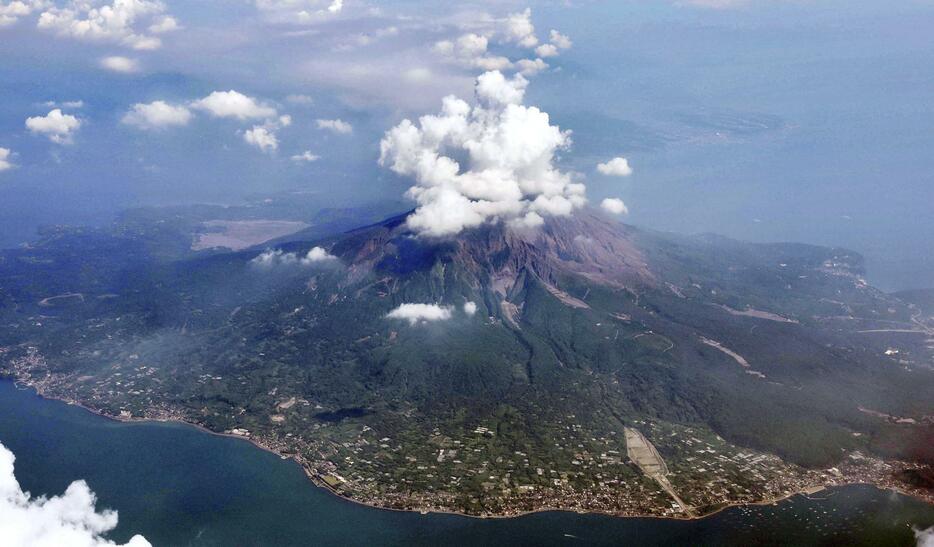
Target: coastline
319	482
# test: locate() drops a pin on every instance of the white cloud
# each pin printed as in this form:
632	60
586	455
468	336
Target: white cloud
546	50
416	313
264	136
530	67
56	126
471	50
163	25
10	12
112	23
69	520
277	257
616	167
494	88
233	104
117	63
299	12
337	126
615	206
520	30
472	44
559	40
318	254
261	137
306	157
274	257
64	104
470	308
157	115
925	538
509	151
5	162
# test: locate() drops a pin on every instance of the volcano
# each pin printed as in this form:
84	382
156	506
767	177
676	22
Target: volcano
742	371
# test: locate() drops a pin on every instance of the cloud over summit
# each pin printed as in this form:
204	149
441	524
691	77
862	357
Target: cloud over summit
483	163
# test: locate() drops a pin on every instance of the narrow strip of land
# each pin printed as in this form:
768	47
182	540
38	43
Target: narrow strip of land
646	457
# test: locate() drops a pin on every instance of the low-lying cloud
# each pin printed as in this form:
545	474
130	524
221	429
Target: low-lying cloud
418	313
508	152
70	519
277	257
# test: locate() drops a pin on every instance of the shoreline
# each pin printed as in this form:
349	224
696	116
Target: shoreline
320	483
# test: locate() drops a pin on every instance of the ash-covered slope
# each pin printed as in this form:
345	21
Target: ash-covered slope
574	331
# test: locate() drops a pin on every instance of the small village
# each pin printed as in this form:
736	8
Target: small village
468	471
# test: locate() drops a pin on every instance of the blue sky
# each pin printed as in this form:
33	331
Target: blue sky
764	120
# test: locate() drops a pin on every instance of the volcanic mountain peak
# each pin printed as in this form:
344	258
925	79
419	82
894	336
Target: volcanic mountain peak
497	255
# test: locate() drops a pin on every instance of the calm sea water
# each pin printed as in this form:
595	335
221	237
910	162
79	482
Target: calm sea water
177	485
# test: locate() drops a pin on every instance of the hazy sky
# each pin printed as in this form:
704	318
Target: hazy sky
765	120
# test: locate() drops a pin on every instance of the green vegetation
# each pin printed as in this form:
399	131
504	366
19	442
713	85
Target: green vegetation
502	410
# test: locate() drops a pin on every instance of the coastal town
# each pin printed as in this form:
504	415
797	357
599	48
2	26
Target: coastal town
692	472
